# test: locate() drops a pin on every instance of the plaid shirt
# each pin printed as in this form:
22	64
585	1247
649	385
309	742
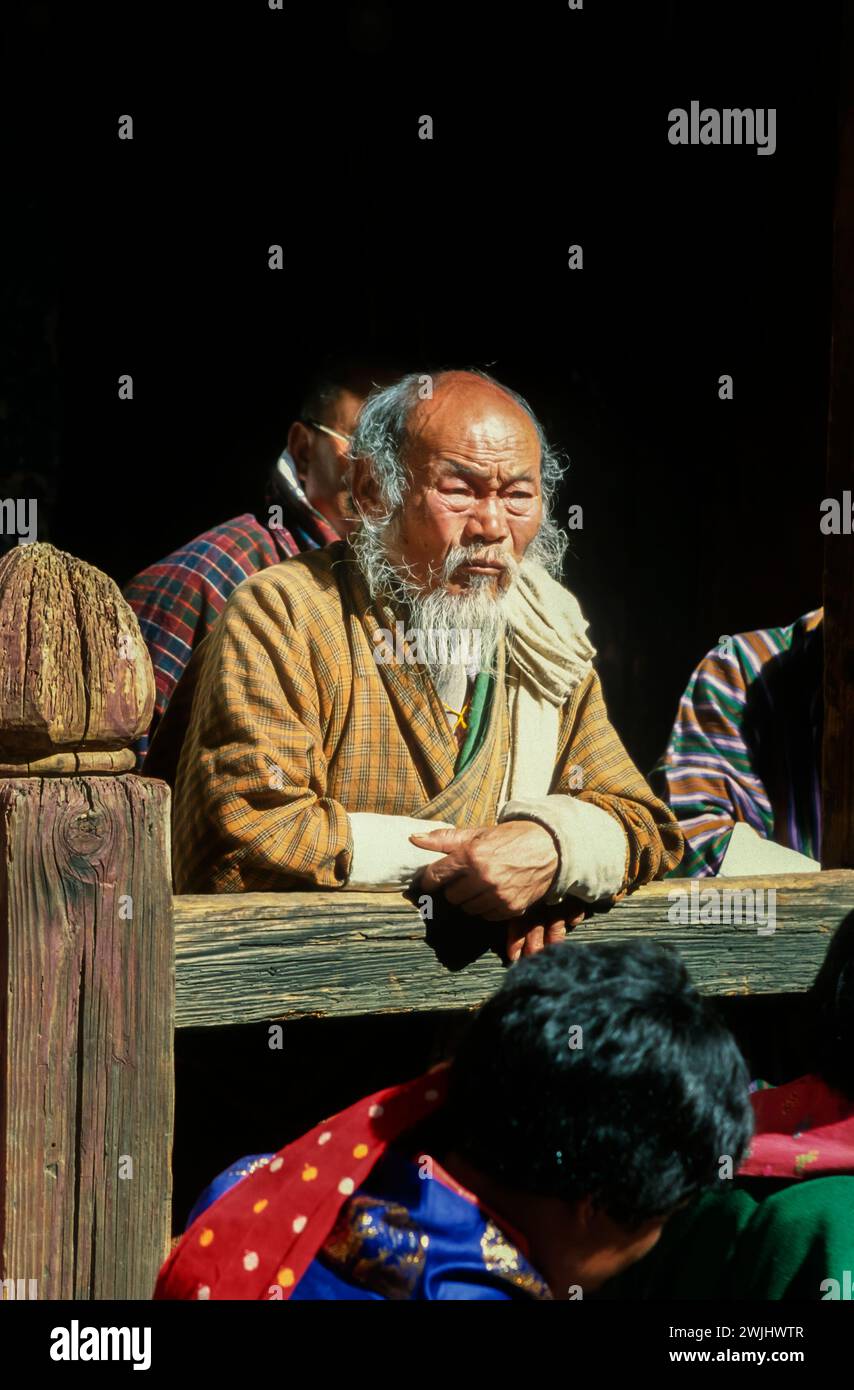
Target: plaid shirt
178	600
746	745
284	722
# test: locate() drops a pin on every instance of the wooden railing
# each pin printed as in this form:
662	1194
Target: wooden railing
245	958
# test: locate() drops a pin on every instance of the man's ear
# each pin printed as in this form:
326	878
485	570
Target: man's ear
300	441
364	488
586	1213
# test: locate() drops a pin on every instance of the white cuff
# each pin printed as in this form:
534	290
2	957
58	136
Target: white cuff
383	859
592	845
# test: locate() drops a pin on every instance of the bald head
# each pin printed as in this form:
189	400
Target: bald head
474	425
476	413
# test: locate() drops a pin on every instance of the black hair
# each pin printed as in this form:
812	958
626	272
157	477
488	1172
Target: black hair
337	374
831	1007
638	1116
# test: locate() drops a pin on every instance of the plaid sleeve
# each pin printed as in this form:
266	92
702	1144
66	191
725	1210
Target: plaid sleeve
707	773
250	793
593	765
178	600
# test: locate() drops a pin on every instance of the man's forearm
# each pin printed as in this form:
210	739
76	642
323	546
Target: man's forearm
383	858
593	848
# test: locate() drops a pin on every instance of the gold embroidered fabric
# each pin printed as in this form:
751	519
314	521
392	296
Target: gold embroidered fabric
377	1244
502	1258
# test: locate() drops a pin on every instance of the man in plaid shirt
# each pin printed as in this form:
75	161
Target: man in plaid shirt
178	600
335	731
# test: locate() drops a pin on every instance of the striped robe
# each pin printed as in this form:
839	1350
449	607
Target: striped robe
746	745
284	723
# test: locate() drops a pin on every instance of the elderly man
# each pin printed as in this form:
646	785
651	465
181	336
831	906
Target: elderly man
472	754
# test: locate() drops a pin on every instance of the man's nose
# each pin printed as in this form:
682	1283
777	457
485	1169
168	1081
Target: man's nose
487	521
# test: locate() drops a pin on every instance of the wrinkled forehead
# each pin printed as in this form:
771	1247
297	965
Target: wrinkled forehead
473	424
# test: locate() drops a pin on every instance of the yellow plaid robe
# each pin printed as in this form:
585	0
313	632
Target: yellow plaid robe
284	721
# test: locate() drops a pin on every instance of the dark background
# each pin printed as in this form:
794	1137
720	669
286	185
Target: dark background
299	127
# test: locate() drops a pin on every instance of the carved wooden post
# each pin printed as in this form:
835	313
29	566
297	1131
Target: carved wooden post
86	951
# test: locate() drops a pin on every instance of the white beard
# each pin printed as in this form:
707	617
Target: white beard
453	627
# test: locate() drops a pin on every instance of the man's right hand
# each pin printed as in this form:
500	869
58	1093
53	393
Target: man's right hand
542	926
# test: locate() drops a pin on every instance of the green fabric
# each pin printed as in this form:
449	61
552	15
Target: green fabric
758	1239
478	720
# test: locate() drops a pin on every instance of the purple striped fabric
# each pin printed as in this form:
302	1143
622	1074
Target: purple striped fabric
746	745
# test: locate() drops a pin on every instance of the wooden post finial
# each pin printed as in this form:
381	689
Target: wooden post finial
76	682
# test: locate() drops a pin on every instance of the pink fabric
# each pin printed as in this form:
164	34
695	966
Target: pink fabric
802	1129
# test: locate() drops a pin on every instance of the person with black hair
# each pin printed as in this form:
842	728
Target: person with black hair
831	1013
306	506
783	1225
594	1094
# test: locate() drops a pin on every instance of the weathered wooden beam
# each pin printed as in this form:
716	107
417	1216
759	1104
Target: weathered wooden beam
248	957
86	1034
86	961
838	751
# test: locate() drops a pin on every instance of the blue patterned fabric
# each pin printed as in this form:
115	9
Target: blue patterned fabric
405	1235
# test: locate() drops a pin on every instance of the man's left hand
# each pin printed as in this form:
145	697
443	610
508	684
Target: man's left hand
542	926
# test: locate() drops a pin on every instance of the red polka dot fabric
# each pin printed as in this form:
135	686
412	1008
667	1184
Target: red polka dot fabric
257	1240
